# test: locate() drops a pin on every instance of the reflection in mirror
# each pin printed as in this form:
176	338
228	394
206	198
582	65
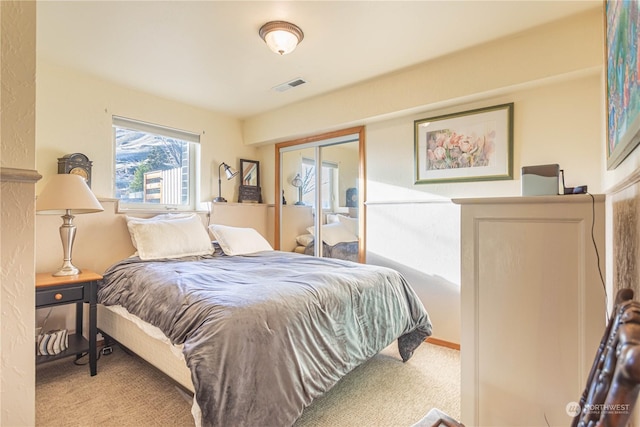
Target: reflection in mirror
297	216
338	170
250	172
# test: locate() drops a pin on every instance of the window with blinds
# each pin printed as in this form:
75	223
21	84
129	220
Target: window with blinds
155	166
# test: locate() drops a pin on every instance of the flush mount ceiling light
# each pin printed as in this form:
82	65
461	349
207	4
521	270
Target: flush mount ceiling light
281	37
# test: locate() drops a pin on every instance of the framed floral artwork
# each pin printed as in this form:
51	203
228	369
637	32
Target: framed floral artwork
475	145
622	45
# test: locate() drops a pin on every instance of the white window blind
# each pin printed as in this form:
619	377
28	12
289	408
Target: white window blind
155	166
183	135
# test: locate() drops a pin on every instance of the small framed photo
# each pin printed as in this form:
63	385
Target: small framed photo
474	145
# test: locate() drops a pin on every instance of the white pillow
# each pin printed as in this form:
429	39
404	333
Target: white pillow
350	223
335	233
167	216
239	241
331	218
172	238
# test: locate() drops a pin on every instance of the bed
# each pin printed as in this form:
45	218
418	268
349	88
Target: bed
262	333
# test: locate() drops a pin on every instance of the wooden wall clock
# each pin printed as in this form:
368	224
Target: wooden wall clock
76	163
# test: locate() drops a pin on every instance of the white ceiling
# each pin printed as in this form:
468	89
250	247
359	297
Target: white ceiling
209	54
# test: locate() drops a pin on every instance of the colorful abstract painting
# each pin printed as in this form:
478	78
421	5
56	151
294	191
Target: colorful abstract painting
623	79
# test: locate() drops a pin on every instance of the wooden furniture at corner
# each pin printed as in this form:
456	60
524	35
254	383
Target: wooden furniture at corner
614	381
532	305
79	289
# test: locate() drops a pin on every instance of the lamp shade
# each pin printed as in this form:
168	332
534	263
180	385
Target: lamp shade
281	37
229	171
67	192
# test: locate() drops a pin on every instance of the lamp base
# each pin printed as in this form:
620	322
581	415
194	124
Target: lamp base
219	200
67	234
67	269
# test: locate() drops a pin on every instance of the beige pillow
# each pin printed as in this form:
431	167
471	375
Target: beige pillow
238	240
170	238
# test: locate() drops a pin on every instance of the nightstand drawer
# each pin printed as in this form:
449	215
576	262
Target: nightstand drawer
60	296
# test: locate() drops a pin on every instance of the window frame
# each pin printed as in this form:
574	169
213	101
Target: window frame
332	180
192	138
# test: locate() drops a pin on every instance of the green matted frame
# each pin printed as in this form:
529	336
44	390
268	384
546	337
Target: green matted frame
474	145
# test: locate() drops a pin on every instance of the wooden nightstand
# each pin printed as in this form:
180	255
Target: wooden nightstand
78	289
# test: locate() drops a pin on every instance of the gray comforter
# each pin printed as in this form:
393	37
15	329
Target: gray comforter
342	250
265	334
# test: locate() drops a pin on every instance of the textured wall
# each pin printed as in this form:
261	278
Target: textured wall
18	68
17	355
623	246
17	199
625	205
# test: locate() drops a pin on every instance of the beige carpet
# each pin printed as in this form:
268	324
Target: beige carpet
129	392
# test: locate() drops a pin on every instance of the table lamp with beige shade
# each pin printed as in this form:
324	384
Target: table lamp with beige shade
67	195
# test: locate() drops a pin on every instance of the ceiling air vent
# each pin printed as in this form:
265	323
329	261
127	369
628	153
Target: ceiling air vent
289	85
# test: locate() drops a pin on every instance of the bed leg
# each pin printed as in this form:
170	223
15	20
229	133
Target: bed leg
108	344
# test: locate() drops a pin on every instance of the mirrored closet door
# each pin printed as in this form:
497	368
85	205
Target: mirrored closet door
319	212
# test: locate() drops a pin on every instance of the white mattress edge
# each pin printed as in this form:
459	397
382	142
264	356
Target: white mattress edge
147	328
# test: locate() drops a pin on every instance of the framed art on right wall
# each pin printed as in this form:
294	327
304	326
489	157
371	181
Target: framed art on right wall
622	19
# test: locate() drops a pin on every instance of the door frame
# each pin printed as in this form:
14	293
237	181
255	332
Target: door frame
362	188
